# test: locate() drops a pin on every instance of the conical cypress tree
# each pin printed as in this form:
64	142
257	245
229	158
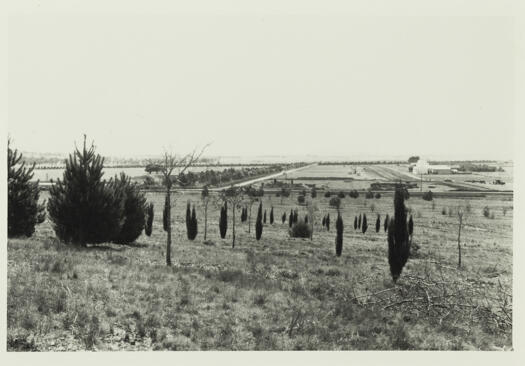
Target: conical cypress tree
165	215
149	220
306	219
258	223
193	224
290	219
339	236
295	217
328	222
398	243
410	226
378	223
386	222
271	216
359	222
264	219
283	218
23	210
223	222
189	233
365	224
324	221
355	223
83	207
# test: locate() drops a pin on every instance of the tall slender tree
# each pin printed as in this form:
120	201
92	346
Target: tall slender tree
283	218
223	221
359	222
328	222
386	222
364	226
205	196
264	218
339	236
189	233
398	243
149	220
271	216
355	223
378	223
234	196
258	223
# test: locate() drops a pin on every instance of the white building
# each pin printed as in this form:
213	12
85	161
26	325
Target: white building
421	167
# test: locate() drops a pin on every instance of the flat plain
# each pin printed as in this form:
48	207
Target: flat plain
279	293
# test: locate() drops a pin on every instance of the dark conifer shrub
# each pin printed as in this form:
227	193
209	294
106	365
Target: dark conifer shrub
223	221
398	243
378	223
188	221
378	195
271	216
328	222
300	230
327	194
335	202
193	224
23	210
83	207
314	192
295	217
258	223
364	227
134	210
355	223
149	219
301	199
264	217
290	219
165	215
386	222
339	236
369	194
341	194
283	218
428	196
324	221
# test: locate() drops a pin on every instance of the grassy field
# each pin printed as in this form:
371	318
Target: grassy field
276	294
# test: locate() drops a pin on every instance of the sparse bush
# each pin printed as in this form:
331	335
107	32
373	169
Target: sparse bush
444	211
327	194
372	207
353	193
23	210
300	230
335	202
313	193
300	199
341	194
428	196
486	211
369	195
378	195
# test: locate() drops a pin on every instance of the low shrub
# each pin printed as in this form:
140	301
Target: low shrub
300	230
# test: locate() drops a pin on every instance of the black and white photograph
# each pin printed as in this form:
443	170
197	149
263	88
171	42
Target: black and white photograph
238	176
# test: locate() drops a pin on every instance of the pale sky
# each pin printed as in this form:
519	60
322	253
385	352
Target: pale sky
257	84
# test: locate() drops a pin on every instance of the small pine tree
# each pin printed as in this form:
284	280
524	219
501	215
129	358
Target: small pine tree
258	223
365	224
283	218
290	219
264	217
378	223
295	217
324	221
149	220
271	216
83	207
398	243
386	222
339	236
134	210
355	223
328	222
359	222
23	210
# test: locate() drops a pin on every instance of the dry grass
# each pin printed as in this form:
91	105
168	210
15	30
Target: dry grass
279	293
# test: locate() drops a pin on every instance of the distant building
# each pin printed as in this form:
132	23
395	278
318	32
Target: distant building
440	169
421	167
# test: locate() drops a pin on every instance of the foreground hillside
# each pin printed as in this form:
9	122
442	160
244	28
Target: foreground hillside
276	294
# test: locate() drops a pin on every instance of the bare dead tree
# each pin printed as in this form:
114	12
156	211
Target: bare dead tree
462	215
171	167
